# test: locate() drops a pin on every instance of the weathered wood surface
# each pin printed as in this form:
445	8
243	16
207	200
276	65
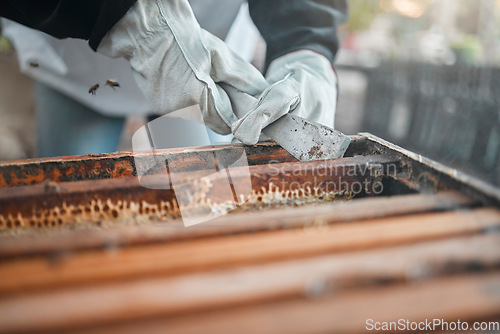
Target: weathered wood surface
316	277
306	269
223	252
464	298
248	222
117	165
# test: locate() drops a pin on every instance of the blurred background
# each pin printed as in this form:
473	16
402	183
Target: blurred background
419	73
424	74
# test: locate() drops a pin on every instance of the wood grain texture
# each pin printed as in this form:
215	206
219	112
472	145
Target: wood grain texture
219	252
466	298
201	292
316	268
118	165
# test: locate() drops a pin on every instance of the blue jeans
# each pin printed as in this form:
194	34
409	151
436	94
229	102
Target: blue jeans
66	127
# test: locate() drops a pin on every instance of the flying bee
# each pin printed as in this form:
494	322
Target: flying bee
112	83
93	89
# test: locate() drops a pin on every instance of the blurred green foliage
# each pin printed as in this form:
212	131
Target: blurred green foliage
468	49
361	14
5	45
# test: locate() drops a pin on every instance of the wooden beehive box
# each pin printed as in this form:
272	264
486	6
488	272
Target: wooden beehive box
85	248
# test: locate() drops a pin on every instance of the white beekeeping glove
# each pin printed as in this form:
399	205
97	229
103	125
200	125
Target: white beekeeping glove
303	83
177	64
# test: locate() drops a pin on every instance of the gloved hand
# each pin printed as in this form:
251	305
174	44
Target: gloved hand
303	83
177	64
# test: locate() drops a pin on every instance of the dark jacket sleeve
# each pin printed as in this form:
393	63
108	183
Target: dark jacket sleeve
85	19
292	25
